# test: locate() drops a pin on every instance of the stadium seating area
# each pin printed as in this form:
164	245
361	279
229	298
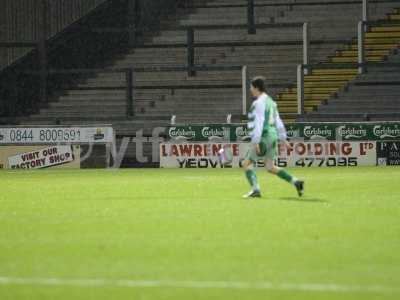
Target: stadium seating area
221	40
374	95
352	97
274	52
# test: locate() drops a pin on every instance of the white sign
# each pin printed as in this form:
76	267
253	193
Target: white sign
294	154
42	158
327	154
49	135
199	155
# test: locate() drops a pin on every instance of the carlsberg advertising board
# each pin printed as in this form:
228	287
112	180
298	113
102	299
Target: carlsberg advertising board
345	131
207	132
303	131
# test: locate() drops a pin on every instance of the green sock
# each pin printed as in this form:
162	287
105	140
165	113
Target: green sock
252	179
286	176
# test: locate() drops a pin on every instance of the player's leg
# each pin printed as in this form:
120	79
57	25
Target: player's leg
281	173
251	176
285	175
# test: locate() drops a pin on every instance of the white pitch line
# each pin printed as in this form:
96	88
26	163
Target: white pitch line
263	285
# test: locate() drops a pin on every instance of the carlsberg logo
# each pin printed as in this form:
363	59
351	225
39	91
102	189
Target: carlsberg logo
181	132
382	131
293	132
208	132
241	132
317	132
351	132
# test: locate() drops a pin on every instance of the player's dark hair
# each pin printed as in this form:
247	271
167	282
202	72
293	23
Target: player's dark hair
259	83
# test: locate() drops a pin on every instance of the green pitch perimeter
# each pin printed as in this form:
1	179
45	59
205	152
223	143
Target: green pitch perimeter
187	234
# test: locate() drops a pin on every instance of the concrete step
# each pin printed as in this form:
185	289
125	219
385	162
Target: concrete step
350	102
378	77
369	94
230	35
380	89
85	105
201	104
171	83
355	109
133	62
119	94
228	11
95	97
77	111
146	76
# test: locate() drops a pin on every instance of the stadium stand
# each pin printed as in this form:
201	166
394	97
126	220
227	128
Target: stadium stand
274	52
348	96
221	40
374	95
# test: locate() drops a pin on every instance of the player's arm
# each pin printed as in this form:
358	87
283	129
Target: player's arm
280	127
259	118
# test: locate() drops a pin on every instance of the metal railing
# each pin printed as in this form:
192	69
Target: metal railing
365	10
251	26
300	89
361	29
191	43
360	46
289	3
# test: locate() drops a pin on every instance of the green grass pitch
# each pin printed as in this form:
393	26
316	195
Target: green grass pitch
187	234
